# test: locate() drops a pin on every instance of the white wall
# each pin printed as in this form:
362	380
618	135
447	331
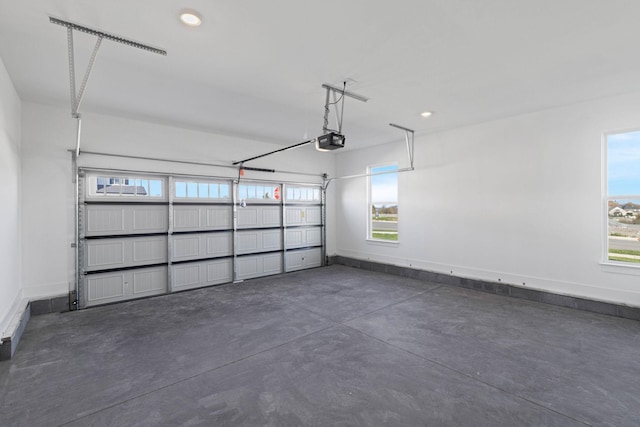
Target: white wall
10	284
48	191
518	200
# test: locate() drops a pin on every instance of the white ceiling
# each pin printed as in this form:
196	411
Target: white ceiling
255	67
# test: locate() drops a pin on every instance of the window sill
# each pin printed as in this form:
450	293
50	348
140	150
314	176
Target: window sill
620	268
382	242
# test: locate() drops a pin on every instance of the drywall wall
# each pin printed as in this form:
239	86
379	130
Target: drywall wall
10	283
48	190
518	200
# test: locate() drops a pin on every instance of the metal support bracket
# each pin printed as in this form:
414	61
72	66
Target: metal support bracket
76	96
409	138
339	109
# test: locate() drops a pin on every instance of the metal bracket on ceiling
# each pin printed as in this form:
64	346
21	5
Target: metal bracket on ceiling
339	109
409	138
76	96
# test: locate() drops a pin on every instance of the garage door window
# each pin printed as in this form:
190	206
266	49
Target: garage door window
126	187
383	203
203	190
259	192
623	197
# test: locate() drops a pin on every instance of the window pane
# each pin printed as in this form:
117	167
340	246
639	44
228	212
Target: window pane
100	187
384	203
623	202
213	191
142	187
242	192
155	188
181	189
203	189
192	189
384	187
624	230
623	168
224	191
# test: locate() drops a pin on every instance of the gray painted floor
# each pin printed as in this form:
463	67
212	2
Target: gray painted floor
333	346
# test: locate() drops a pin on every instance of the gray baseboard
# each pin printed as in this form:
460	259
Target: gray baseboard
50	305
494	288
8	345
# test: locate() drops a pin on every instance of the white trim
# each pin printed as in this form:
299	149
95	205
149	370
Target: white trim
612	266
11	320
369	228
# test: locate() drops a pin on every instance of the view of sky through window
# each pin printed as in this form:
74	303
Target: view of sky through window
623	163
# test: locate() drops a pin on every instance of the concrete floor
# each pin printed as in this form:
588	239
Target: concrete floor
333	346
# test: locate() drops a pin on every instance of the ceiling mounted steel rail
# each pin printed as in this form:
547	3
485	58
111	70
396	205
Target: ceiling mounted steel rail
76	96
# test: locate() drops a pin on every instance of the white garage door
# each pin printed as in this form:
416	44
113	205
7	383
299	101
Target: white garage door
148	235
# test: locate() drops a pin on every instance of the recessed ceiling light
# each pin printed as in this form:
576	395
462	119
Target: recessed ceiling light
426	114
190	18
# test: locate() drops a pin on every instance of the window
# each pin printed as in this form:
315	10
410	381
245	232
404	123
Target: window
623	197
202	190
383	203
297	194
110	186
259	192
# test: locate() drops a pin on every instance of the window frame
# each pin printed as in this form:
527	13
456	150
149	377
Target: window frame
193	190
96	179
369	227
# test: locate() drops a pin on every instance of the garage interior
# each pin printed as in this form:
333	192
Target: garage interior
319	214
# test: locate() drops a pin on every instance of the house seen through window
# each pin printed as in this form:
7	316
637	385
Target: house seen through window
146	187
623	197
383	203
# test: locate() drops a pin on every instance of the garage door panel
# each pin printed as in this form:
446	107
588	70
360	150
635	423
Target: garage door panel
219	217
301	237
202	217
150	250
294	215
253	241
103	254
149	282
186	218
306	258
271	216
103	288
313	215
219	244
185	247
203	273
105	220
150	219
185	276
251	266
202	245
259	217
303	215
114	220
